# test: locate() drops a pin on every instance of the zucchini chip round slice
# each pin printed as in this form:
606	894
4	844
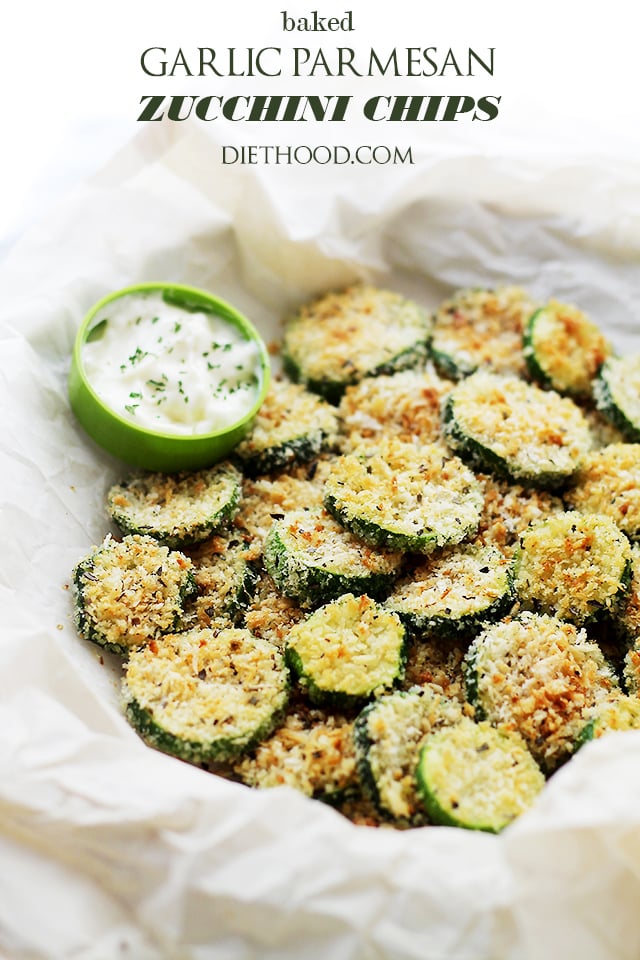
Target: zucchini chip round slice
225	578
609	483
454	593
388	737
564	349
359	332
574	565
347	651
131	592
206	695
312	558
404	497
312	752
616	391
514	429
292	426
481	328
177	510
477	777
537	675
618	714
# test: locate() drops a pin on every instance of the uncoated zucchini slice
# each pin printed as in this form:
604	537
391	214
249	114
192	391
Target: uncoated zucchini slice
206	695
359	332
404	497
179	509
347	651
312	558
131	592
537	675
609	483
474	776
388	736
455	592
481	329
514	429
292	426
564	349
616	391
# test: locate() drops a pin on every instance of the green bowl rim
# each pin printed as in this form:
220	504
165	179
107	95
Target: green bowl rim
230	313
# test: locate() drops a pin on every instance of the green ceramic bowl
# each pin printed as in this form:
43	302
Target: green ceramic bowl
138	445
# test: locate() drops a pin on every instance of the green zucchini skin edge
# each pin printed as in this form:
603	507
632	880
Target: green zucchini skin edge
221	750
470	678
292	452
312	585
334	699
196	534
607	405
86	626
449	367
363	743
332	390
536	372
484	459
468	625
436	813
379	537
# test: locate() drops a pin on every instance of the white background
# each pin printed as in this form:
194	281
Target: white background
71	78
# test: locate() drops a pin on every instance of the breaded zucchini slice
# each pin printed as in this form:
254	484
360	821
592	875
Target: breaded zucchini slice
405	405
312	752
359	332
620	713
388	735
312	559
474	776
609	483
292	426
616	391
481	328
225	577
269	498
453	593
537	675
404	497
574	565
508	510
131	592
564	349
516	430
347	651
206	695
179	509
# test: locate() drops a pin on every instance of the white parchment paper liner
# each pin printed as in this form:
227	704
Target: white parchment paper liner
108	849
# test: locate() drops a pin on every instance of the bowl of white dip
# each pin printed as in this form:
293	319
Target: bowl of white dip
167	377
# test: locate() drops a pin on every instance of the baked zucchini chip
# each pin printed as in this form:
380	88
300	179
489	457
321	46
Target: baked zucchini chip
206	695
225	577
481	328
474	776
388	735
537	675
574	565
131	592
347	651
609	483
616	715
616	391
179	509
455	593
564	349
313	559
312	752
405	405
359	332
292	426
404	497
516	430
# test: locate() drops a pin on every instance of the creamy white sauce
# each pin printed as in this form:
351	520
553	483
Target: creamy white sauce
171	370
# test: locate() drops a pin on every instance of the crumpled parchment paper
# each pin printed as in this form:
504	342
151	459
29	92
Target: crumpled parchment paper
109	849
